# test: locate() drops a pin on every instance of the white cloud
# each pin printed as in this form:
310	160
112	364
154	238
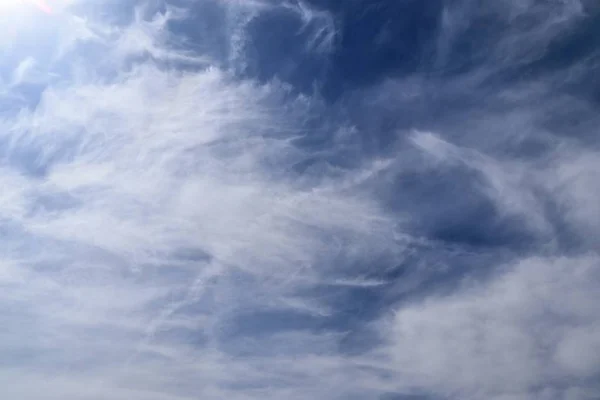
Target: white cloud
532	327
110	179
150	202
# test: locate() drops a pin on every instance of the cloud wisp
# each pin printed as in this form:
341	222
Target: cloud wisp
189	210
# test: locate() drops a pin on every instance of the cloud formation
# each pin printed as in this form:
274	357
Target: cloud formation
196	207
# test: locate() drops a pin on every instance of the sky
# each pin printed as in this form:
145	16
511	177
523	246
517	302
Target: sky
299	199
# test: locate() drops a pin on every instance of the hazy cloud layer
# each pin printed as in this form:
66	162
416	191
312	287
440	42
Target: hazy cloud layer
299	200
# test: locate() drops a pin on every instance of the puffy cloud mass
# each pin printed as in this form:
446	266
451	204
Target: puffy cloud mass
301	199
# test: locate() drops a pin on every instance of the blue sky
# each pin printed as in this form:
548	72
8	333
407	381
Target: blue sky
299	199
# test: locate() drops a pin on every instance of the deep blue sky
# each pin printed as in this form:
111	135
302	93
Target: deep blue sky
300	199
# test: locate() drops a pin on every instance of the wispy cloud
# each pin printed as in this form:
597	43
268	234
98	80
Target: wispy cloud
175	228
146	212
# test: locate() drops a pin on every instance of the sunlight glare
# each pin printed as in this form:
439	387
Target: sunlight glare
6	5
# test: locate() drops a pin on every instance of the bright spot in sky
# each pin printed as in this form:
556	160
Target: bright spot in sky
12	4
4	4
